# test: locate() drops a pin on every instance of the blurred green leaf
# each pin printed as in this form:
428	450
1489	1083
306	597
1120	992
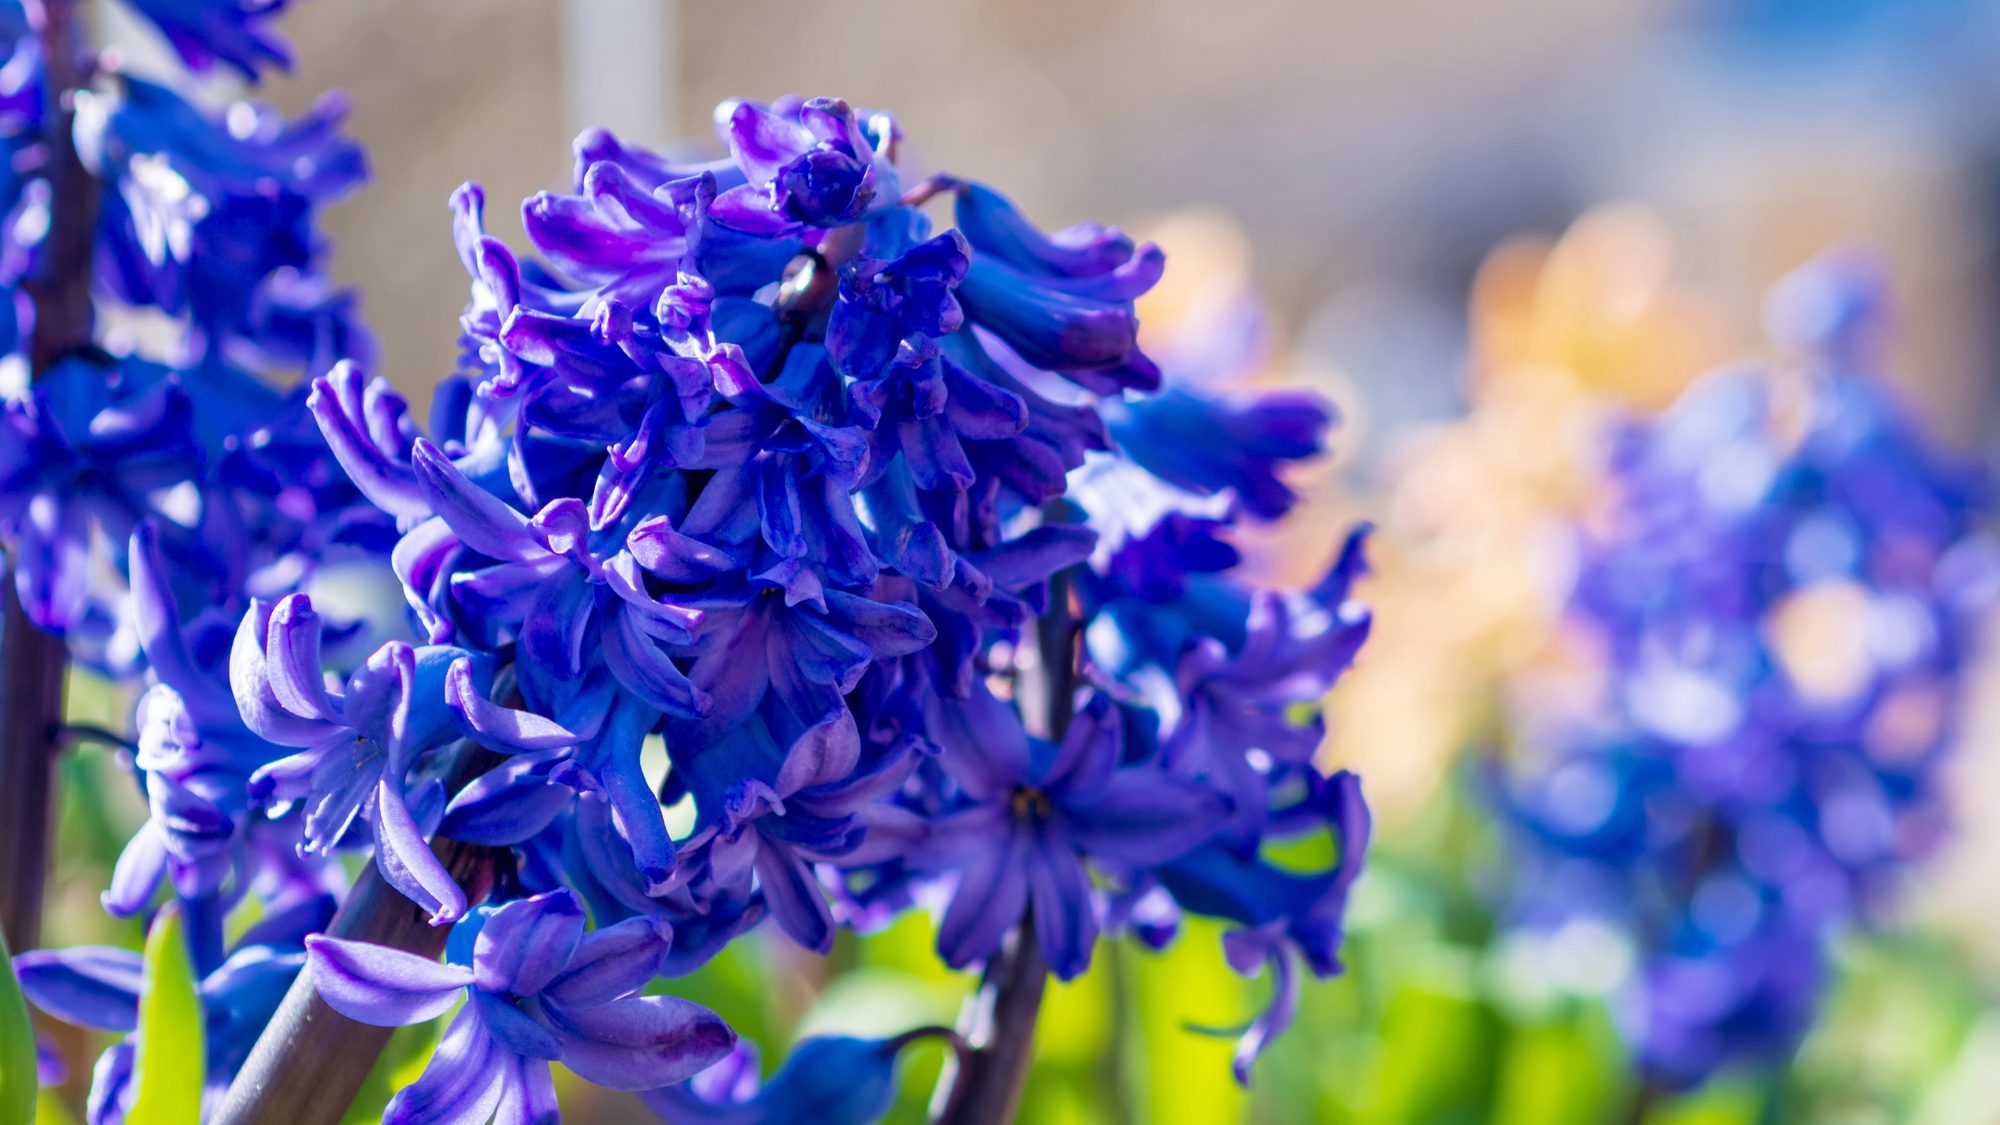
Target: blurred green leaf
170	1067
873	1002
17	1046
1718	1103
1439	1048
93	700
50	1110
1553	1073
1893	1023
1178	1074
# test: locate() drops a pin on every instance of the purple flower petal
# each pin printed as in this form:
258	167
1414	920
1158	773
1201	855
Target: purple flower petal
612	962
335	400
761	141
482	520
991	897
52	562
421	560
379	985
1247	951
985	747
111	1083
1065	908
87	985
611	765
407	861
824	752
1143	816
552	637
797	903
887	628
516	1031
672	555
508	805
138	871
153	611
528	1096
250	683
527	942
992	223
501	728
463	1083
662	620
642	1042
292	660
646	671
891	831
504	593
1090	751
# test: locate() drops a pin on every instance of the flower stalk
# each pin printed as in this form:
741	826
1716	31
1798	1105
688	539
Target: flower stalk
310	1062
33	663
983	1084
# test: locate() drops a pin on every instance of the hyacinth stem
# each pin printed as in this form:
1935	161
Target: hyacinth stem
31	700
32	663
310	1062
983	1086
950	1035
61	291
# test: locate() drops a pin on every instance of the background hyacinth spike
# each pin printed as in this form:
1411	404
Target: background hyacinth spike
1785	590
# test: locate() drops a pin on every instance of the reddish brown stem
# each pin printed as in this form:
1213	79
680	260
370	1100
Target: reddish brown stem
31	700
983	1085
32	663
311	1061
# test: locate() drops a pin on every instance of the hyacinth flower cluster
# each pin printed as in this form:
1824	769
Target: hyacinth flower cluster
1780	609
850	493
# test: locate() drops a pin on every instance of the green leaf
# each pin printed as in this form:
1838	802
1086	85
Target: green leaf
171	1065
50	1110
1555	1072
404	1058
17	1046
1440	1047
1178	1074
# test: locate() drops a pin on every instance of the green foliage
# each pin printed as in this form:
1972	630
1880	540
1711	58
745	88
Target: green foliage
49	1110
17	1046
171	1066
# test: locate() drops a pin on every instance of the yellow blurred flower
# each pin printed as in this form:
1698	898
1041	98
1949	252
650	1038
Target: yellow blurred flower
1471	556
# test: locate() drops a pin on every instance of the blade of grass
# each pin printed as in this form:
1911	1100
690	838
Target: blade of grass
17	1046
171	1064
